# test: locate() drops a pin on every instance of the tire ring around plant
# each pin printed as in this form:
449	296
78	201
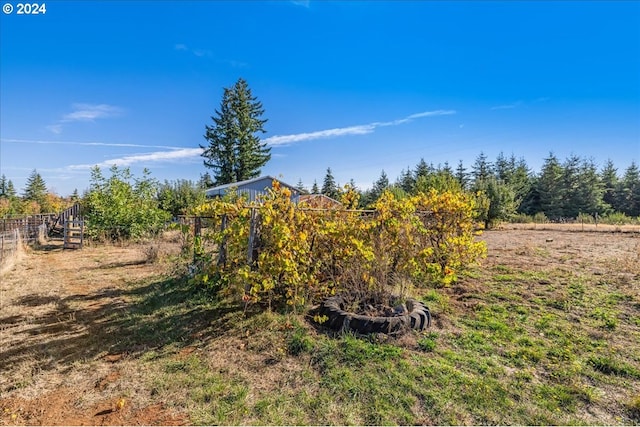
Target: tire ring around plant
418	317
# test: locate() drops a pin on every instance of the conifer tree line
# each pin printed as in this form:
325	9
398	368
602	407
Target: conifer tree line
561	190
34	199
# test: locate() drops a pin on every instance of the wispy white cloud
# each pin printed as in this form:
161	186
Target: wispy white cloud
158	156
507	106
90	112
182	154
85	113
328	133
88	144
195	51
349	130
57	129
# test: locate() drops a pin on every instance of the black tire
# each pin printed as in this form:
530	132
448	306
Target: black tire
418	318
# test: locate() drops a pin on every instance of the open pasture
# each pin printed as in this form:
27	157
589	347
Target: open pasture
545	331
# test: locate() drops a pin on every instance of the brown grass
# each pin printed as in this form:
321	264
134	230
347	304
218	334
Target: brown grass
56	306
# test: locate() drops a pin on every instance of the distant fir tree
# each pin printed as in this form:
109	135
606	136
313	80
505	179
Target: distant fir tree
370	196
550	188
301	188
609	179
520	179
329	186
481	170
75	197
441	180
406	181
4	187
503	168
11	190
205	181
235	152
629	191
422	169
500	202
446	168
590	191
381	184
462	176
570	184
36	189
314	188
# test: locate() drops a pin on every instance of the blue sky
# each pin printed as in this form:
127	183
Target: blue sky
355	86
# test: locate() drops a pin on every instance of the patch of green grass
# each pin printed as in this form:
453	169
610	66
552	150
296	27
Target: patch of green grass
216	398
427	342
299	342
608	319
559	397
437	301
529	347
611	366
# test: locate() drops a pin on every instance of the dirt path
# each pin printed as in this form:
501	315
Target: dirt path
60	361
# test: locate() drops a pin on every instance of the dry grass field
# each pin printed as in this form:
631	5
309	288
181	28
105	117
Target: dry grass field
546	331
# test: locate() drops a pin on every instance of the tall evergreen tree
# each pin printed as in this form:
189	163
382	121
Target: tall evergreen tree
36	189
11	190
501	203
481	170
422	169
235	152
588	198
550	188
3	187
503	168
609	179
462	176
521	182
380	185
629	191
406	181
329	186
570	184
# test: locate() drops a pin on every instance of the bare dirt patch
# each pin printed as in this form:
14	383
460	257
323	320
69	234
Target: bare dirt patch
600	252
60	356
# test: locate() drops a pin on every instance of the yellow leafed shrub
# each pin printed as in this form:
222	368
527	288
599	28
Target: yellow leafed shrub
305	254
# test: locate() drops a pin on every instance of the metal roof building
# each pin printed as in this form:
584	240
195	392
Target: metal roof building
251	187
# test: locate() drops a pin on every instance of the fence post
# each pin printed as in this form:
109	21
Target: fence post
197	230
252	236
222	251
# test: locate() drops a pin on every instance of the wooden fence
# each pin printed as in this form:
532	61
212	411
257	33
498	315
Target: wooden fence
32	228
9	244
